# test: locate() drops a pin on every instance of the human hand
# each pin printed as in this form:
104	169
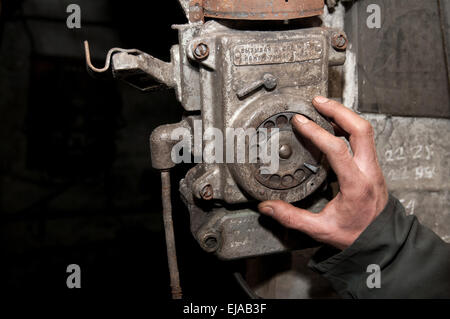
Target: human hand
363	192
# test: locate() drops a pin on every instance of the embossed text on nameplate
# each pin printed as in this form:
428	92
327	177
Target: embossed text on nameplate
277	52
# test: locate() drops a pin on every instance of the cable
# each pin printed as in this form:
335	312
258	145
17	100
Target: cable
244	285
170	237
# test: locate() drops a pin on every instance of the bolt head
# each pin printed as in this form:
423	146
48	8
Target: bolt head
339	41
270	82
201	51
285	151
210	242
207	192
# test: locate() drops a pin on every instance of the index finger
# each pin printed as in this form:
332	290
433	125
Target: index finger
333	147
361	132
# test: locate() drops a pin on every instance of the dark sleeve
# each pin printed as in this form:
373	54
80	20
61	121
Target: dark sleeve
414	262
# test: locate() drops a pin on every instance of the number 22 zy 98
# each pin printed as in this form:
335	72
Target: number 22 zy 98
416	152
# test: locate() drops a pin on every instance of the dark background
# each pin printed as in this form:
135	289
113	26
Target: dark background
76	183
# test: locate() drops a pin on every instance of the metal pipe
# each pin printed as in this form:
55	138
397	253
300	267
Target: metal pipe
170	236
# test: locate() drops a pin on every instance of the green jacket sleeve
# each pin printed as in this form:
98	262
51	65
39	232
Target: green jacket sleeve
413	261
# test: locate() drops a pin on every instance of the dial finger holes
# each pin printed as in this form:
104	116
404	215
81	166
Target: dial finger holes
275	179
287	180
269	125
299	175
282	121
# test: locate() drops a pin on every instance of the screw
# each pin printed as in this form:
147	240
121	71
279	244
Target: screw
339	41
285	151
201	51
269	81
210	242
207	192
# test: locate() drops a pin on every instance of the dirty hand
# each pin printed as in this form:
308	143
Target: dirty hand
363	192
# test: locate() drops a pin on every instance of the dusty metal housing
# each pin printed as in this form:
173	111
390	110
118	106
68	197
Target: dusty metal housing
234	78
220	77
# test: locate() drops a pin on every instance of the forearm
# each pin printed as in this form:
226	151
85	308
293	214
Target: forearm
414	262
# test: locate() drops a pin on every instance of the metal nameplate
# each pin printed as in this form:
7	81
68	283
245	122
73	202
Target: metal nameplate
277	52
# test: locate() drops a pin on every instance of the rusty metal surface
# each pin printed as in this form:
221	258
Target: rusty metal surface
255	9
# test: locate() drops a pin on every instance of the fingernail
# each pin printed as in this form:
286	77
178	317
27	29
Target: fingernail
301	119
266	210
321	99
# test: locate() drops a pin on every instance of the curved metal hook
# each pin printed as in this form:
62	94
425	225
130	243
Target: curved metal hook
91	67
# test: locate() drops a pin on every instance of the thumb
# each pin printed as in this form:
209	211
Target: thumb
290	216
